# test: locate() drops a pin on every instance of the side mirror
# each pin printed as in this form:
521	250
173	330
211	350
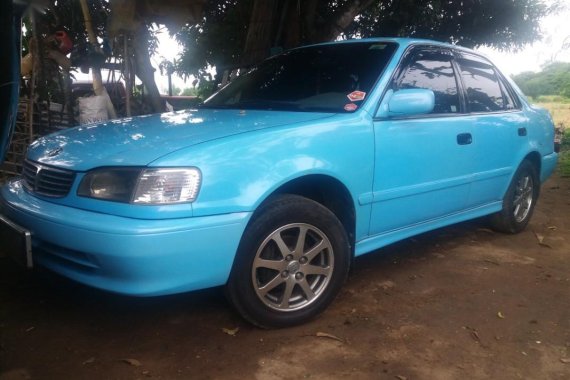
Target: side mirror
410	102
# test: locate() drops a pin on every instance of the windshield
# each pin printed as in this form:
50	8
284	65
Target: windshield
325	78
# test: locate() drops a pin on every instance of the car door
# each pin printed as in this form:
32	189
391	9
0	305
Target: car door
499	128
423	163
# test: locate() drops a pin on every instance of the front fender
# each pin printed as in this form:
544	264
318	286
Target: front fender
241	171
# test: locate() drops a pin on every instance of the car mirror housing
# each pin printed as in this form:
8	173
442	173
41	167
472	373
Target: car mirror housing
408	102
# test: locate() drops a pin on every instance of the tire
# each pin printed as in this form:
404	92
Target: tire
519	201
277	282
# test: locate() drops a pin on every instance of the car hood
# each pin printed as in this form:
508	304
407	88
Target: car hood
140	140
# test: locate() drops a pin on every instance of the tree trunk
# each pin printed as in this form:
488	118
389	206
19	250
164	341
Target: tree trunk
260	31
144	69
98	87
296	25
343	18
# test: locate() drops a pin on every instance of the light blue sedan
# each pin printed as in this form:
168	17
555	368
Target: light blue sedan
279	180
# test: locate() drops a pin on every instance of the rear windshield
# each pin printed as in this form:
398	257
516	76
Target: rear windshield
328	78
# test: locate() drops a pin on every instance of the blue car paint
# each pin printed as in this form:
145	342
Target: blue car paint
141	140
244	157
163	256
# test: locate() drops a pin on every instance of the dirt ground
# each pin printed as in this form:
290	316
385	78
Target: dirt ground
457	303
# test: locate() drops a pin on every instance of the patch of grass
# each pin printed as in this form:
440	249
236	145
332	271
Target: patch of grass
564	163
551	99
560	111
564	156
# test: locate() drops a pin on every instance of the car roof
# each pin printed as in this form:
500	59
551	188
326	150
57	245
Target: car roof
402	41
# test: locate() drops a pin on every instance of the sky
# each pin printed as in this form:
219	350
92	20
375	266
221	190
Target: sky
555	30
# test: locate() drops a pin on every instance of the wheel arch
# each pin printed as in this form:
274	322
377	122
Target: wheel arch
534	158
329	192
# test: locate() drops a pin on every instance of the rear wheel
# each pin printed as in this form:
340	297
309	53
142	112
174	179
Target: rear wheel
519	201
291	262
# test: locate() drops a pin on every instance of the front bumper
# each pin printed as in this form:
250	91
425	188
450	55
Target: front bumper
126	255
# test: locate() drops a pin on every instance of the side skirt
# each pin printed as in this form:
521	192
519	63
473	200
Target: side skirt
381	240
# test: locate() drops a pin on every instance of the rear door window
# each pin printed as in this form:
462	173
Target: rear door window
482	87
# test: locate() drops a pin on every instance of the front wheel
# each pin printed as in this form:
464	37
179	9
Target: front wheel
291	262
519	201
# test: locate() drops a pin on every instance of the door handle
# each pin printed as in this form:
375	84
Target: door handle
522	131
464	139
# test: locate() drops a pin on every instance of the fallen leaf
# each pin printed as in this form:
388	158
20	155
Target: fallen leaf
500	315
387	284
473	332
486	230
231	332
30	328
330	336
133	362
400	377
491	262
565	360
540	239
552	228
89	361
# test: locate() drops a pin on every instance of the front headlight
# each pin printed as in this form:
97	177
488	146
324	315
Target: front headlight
142	186
162	186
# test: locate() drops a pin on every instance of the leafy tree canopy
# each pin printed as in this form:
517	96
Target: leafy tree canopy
236	33
554	79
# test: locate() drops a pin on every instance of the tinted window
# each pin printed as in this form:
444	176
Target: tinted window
508	100
434	72
483	89
316	78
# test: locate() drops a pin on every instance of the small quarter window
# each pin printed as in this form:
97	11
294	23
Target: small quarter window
509	102
434	72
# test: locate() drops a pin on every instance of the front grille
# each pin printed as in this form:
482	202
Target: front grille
47	180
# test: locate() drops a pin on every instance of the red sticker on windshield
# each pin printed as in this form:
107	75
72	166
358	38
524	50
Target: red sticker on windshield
356	96
350	107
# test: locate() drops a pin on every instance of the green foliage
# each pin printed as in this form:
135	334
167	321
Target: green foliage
219	39
504	24
205	89
554	79
565	144
560	111
564	163
60	15
189	91
68	14
551	99
216	41
564	157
